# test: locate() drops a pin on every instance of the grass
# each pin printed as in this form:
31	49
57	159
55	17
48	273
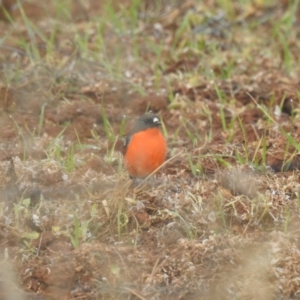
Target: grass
193	223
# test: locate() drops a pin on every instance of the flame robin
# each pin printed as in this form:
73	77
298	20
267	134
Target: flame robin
145	148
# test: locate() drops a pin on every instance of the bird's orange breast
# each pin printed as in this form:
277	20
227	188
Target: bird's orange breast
145	153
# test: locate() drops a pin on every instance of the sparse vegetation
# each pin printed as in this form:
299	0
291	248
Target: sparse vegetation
220	219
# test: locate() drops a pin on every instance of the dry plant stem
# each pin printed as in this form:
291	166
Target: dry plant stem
170	159
152	274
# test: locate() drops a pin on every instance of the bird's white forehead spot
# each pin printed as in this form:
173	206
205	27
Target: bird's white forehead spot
155	120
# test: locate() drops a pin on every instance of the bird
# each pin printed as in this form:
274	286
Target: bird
145	147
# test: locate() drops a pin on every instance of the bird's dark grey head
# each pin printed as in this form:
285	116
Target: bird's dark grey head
142	123
145	122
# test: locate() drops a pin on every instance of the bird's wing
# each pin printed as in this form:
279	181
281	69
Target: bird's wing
126	142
